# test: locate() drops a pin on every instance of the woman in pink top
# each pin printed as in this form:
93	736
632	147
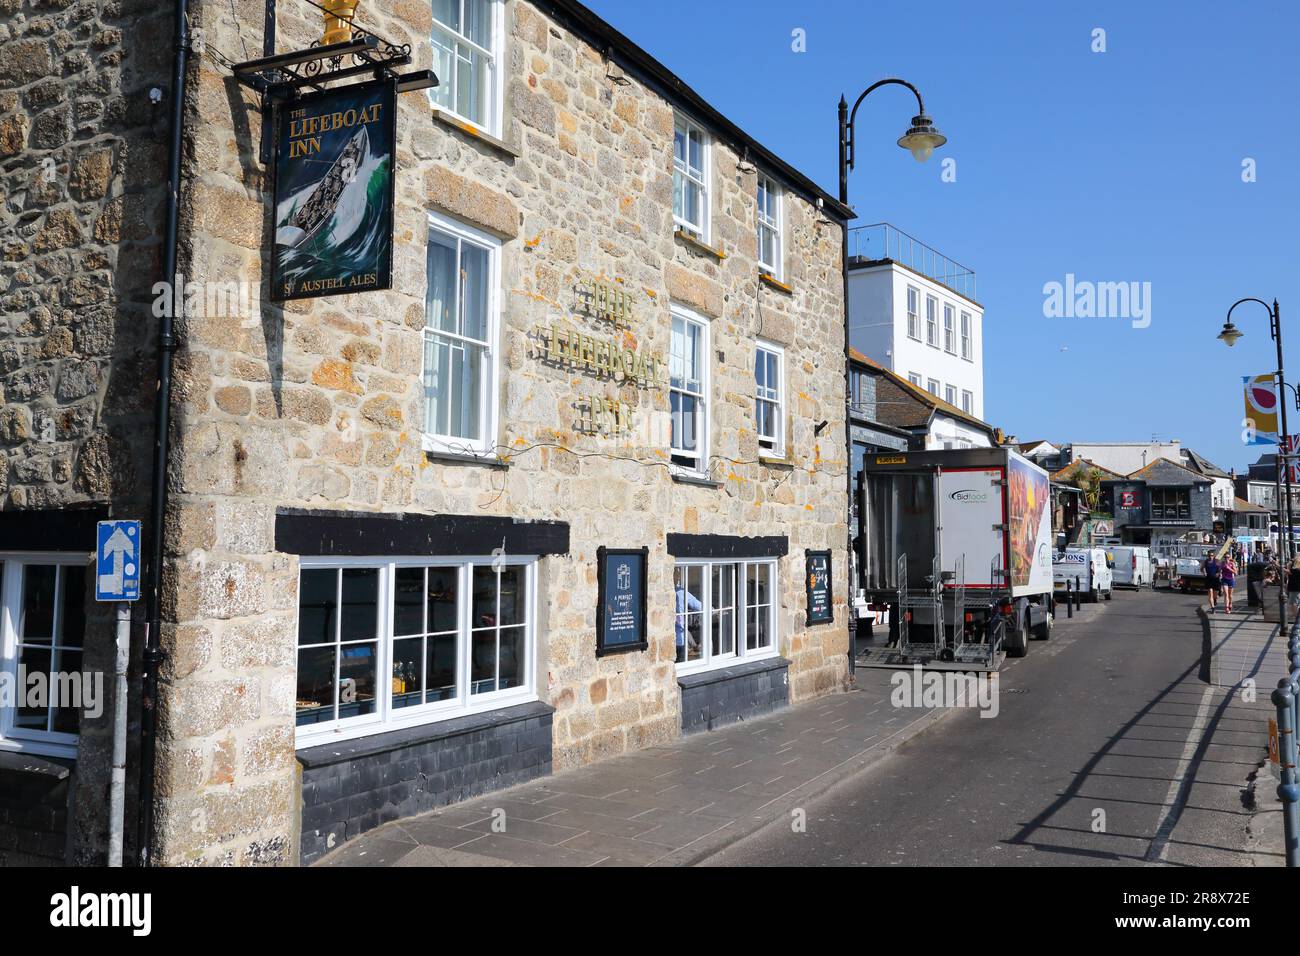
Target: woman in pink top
1228	575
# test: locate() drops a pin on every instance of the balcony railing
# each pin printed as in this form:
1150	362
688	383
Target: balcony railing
883	241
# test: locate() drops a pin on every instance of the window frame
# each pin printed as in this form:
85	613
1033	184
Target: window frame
776	226
47	743
950	395
950	328
932	386
489	386
932	321
496	84
465	703
740	613
703	398
968	401
777	447
967	328
913	299
702	230
914	378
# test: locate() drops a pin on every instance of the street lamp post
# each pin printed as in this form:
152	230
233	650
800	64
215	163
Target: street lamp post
1229	336
921	138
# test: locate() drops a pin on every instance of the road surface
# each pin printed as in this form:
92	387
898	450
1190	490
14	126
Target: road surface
1108	749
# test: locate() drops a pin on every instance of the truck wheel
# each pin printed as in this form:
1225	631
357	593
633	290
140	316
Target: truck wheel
1021	645
1043	632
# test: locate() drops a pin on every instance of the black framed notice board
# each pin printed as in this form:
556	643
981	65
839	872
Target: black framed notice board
621	600
817	582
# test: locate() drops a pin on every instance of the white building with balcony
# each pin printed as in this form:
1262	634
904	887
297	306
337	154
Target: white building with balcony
913	311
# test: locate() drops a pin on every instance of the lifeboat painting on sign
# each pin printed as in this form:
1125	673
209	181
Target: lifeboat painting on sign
334	192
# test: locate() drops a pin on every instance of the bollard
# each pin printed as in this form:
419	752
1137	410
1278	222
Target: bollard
1069	600
1078	599
1284	700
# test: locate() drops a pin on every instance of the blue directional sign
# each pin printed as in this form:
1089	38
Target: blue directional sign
117	561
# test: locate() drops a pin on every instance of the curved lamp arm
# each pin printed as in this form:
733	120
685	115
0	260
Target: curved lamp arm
853	114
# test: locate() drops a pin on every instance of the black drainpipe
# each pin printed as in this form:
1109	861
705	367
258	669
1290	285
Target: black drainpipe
162	423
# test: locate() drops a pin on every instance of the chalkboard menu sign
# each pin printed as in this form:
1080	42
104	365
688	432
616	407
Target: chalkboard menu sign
621	602
818	584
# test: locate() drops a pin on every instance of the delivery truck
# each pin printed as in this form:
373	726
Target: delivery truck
957	543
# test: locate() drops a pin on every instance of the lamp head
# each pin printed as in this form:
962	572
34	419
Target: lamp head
1230	334
922	138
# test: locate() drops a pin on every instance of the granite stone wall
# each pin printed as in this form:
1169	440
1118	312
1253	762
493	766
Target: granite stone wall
82	167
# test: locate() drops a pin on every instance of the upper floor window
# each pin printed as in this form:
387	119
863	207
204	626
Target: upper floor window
466	59
1171	504
967	402
691	178
460	319
950	395
688	386
965	336
42	632
949	329
385	642
914	313
914	378
931	321
932	386
769	226
769	375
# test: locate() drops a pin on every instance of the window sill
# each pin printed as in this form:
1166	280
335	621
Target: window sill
25	762
465	458
699	245
773	282
776	461
474	132
686	478
36	751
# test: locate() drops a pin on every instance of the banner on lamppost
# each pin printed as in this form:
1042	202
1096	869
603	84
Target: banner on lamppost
1260	426
334	192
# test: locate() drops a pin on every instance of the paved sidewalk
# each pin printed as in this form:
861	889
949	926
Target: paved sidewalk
1231	814
669	805
672	805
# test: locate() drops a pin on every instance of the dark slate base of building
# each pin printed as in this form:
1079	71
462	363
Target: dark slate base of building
357	785
33	810
717	698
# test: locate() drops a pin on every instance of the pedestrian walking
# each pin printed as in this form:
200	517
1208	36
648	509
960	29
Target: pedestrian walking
1228	574
1212	580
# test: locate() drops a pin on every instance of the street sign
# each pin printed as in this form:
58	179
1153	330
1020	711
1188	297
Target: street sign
117	561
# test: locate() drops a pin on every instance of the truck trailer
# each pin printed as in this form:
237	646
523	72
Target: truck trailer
958	544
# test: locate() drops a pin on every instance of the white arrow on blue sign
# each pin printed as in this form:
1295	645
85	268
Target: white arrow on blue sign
117	561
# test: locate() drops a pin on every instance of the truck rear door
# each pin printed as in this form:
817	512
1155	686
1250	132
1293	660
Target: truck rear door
972	520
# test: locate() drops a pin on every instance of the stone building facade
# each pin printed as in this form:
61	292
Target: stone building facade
381	586
82	168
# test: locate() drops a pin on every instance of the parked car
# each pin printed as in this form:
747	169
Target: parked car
1090	568
1132	565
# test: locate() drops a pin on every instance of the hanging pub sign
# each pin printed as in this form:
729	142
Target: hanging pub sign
334	192
818	586
621	600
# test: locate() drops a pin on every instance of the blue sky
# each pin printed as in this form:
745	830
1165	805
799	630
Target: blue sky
1117	166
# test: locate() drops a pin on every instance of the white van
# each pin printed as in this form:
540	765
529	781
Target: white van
1132	565
1090	567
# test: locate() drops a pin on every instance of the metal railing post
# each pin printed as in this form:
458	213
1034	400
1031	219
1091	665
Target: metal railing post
1284	699
1078	599
1069	600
